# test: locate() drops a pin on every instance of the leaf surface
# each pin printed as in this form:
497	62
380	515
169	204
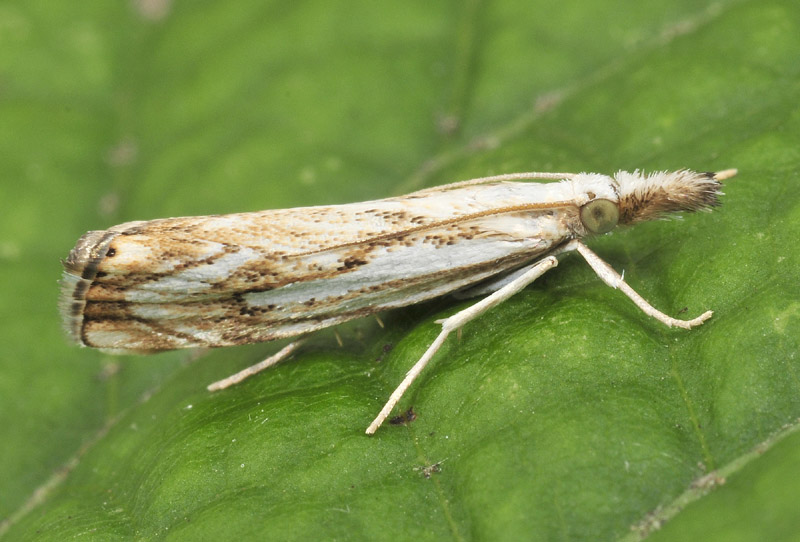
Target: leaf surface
563	414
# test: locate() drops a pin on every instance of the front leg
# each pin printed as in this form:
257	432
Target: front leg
613	279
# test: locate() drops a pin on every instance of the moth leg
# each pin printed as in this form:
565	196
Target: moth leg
274	359
455	322
486	288
613	279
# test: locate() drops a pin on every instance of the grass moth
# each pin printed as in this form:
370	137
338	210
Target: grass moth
222	280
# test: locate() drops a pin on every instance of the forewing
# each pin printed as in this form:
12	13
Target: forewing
233	279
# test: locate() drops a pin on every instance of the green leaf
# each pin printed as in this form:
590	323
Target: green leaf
565	413
756	504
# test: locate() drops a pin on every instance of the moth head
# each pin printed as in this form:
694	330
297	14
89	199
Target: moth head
600	215
648	197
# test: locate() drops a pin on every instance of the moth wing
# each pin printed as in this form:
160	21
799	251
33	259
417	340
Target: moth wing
233	279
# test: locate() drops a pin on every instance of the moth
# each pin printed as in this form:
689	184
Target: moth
222	280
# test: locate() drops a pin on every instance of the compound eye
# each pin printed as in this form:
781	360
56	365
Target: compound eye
600	216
